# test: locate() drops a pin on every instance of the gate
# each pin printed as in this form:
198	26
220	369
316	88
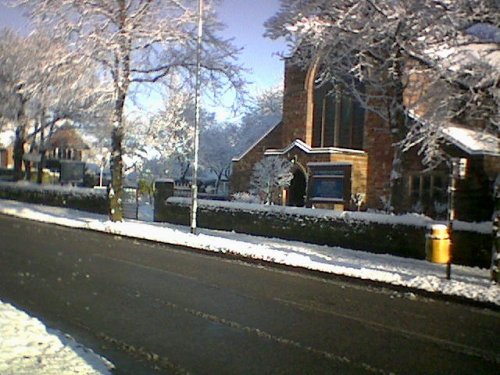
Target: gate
130	202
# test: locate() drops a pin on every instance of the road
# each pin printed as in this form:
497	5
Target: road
153	308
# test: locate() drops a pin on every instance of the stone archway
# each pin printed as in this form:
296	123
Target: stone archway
297	189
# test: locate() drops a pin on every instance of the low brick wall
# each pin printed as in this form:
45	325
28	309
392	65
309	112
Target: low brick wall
385	234
84	199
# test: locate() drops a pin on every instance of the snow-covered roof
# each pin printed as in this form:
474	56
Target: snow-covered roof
67	137
472	141
313	150
456	58
485	32
7	138
257	142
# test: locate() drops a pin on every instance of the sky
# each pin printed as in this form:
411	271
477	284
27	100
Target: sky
244	20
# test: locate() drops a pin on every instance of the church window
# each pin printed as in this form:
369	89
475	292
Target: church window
338	119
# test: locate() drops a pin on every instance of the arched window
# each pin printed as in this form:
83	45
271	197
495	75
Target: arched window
338	119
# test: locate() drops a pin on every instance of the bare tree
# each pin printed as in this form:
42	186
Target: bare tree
218	147
16	91
37	94
166	136
373	49
138	42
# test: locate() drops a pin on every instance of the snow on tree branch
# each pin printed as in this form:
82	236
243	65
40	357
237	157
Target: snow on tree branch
375	49
137	42
269	177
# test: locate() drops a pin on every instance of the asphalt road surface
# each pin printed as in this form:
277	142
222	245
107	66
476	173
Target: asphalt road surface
153	308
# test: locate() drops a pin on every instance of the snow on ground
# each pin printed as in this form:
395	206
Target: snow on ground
27	347
471	283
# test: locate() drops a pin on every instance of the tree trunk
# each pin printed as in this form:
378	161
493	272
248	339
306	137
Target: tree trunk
19	152
495	234
116	160
397	121
122	82
217	182
42	151
28	163
41	166
185	172
116	191
398	182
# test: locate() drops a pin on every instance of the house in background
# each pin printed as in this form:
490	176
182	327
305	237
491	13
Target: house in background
65	152
341	152
64	157
6	142
66	144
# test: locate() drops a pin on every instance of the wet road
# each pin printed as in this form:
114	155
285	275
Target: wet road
153	308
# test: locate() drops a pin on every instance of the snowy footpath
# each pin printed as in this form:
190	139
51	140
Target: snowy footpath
27	347
470	283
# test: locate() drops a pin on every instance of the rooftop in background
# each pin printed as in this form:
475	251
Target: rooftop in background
7	138
472	141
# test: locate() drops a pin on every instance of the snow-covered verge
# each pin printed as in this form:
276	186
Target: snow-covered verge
27	347
467	282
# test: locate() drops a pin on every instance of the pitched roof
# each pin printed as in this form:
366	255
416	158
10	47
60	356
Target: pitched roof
472	141
238	158
66	137
7	138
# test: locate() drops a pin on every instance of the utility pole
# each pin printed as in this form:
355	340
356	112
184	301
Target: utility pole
194	181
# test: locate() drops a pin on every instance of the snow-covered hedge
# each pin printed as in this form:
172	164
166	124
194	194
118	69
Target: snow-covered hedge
6	174
398	235
85	199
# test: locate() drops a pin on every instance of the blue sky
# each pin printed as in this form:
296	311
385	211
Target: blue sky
244	20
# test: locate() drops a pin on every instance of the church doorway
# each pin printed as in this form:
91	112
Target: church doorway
297	189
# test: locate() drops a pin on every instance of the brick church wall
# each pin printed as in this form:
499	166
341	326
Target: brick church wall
297	107
377	144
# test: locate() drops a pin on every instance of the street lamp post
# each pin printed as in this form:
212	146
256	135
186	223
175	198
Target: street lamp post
458	170
194	182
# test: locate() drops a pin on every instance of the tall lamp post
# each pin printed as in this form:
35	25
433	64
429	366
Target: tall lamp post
458	170
194	182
